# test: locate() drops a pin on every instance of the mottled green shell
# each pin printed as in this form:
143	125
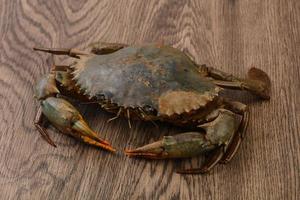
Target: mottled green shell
160	77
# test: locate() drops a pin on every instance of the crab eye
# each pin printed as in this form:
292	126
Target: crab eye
101	97
150	110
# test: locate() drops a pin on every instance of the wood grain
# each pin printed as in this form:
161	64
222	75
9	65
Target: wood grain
232	35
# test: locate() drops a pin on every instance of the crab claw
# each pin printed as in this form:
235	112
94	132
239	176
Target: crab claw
178	146
66	118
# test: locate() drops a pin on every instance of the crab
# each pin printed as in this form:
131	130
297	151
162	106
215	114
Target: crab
151	82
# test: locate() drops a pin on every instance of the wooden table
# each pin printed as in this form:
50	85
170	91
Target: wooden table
232	35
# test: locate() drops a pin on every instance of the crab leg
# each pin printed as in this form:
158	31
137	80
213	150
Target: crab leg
39	124
219	134
101	48
237	139
258	82
62	51
214	158
223	154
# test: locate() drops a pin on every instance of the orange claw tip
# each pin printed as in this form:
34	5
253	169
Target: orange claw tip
107	147
113	150
133	152
129	152
105	142
154	150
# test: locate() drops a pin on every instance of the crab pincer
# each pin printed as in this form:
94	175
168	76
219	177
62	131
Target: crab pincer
64	116
219	137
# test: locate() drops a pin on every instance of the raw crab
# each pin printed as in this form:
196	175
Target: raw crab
150	82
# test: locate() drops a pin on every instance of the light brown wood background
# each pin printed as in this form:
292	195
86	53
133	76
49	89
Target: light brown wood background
232	35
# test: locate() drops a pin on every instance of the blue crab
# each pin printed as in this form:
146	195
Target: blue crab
152	83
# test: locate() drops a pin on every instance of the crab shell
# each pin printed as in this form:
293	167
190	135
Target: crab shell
160	77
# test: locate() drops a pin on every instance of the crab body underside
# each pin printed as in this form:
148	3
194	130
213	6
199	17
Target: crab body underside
149	82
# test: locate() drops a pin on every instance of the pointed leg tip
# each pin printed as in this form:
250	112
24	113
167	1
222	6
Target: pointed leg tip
50	142
193	171
39	49
180	171
185	171
54	145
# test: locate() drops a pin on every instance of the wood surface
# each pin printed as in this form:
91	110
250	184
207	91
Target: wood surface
232	35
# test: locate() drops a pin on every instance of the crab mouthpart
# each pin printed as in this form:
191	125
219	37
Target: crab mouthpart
152	151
